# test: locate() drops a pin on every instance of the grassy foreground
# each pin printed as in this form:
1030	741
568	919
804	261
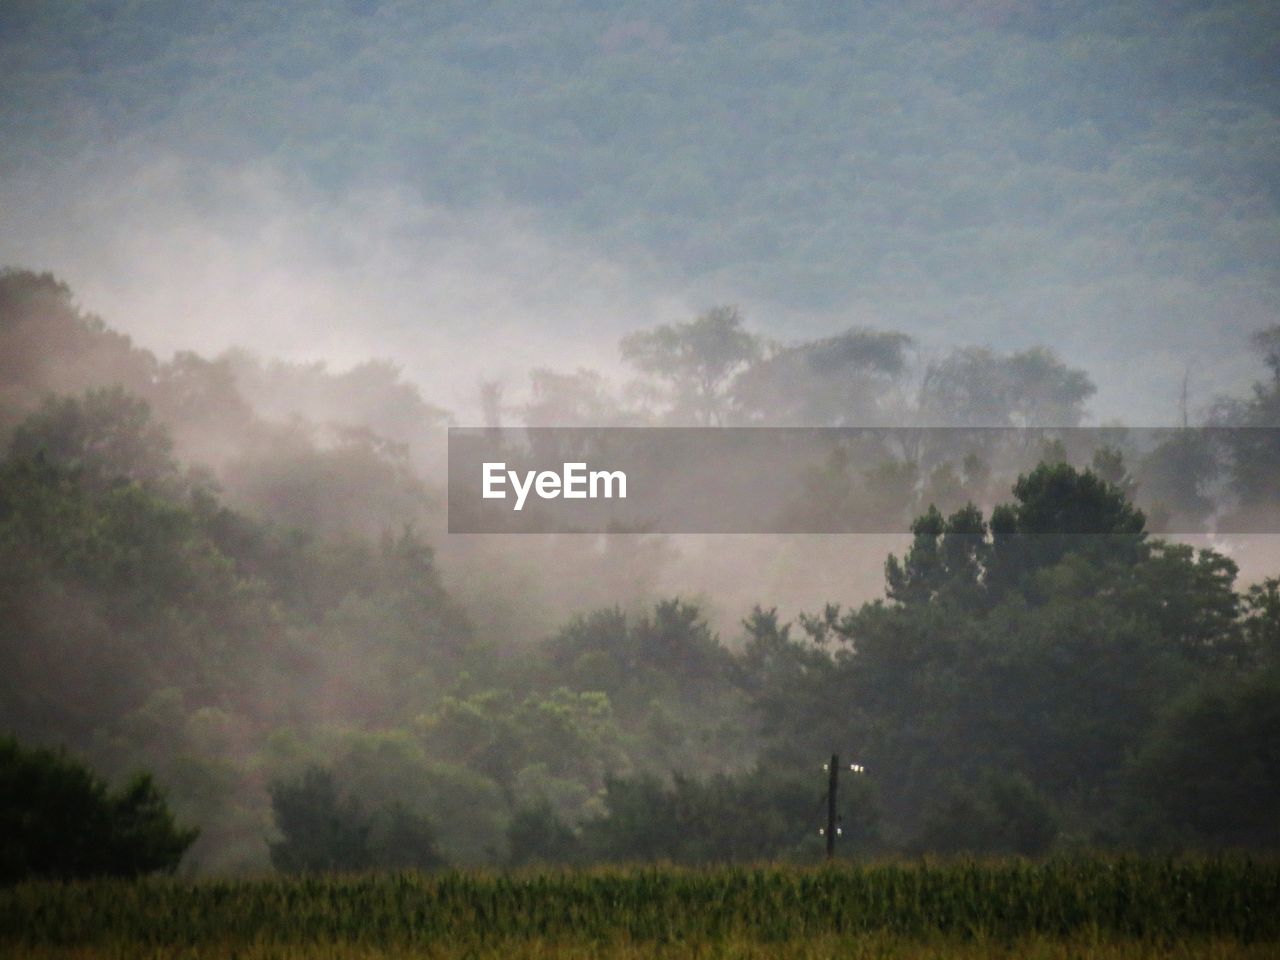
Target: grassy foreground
1090	907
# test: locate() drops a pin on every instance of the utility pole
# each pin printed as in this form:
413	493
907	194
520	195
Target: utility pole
833	828
833	782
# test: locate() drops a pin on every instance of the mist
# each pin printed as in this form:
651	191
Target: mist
188	254
212	257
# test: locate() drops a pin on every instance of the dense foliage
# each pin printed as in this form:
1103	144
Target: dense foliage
61	822
323	833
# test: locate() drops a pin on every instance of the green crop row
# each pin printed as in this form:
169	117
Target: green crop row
1233	900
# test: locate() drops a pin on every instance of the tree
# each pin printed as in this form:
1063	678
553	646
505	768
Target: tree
110	584
320	830
945	556
1176	476
538	835
400	839
1059	510
201	402
48	345
1212	767
1003	814
759	814
1043	644
1253	453
697	361
838	381
59	820
634	657
372	394
578	399
104	438
975	386
336	481
641	823
1261	621
1068	527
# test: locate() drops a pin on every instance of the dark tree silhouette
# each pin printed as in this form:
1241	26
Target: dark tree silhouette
60	820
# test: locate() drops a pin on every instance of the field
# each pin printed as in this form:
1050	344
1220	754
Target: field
1086	907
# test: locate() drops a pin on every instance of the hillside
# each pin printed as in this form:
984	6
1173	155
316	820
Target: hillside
1023	170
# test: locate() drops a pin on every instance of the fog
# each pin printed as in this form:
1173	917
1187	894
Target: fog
186	254
207	257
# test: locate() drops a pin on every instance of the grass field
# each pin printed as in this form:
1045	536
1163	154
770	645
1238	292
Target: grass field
1089	907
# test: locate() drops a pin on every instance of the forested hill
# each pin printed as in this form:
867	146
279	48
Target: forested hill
1028	169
